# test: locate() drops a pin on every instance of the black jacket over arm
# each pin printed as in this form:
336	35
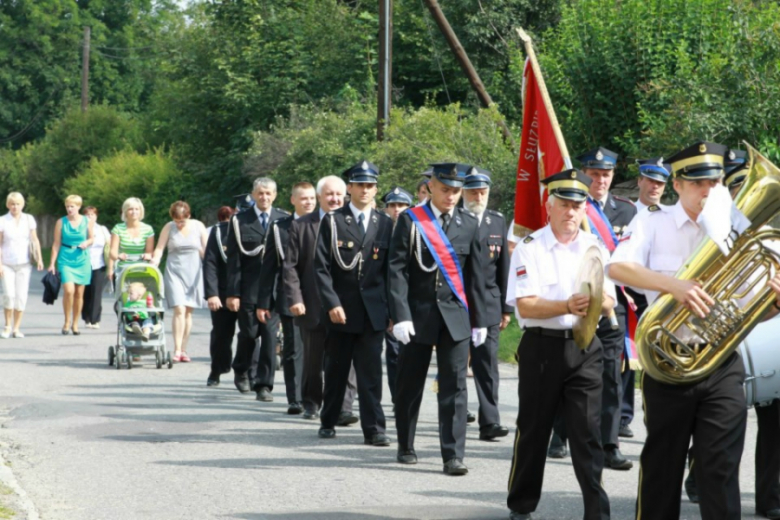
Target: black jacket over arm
362	292
298	269
495	257
271	294
425	298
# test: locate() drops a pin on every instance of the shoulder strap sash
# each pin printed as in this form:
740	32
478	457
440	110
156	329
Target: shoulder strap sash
601	226
441	249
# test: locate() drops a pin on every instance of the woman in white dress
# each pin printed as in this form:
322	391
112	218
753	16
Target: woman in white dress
101	271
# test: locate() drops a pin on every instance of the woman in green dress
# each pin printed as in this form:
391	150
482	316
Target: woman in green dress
72	238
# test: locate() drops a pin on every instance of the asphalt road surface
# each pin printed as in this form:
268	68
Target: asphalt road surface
80	440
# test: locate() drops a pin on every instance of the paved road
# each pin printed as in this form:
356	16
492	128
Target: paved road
83	441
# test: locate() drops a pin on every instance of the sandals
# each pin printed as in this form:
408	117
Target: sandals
18	334
6	333
185	358
177	357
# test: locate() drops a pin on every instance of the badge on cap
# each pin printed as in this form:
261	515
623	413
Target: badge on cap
364	165
397	191
702	147
454	171
732	155
660	162
574	174
599	156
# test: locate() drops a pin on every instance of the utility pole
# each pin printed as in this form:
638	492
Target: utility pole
385	90
464	61
85	71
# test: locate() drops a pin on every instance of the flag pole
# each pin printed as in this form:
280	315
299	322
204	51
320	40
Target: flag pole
529	49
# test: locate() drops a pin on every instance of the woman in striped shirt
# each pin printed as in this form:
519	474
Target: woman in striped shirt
131	238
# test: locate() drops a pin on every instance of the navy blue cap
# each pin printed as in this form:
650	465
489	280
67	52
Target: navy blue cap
451	174
398	195
244	201
735	165
701	160
569	184
428	173
477	178
363	171
654	168
599	158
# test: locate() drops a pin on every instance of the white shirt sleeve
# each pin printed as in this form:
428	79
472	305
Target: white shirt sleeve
31	223
609	285
510	235
523	279
634	245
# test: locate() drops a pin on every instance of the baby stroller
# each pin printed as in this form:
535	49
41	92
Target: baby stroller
129	343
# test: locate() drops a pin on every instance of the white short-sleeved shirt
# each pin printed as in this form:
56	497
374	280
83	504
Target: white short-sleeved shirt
16	238
96	252
543	267
660	240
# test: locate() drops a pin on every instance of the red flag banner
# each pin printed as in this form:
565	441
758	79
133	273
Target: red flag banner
541	153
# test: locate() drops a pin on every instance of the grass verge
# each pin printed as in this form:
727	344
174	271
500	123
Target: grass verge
508	342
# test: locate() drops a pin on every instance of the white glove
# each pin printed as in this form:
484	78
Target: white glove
478	336
403	331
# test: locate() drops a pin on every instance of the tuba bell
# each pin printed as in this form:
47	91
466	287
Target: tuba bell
729	280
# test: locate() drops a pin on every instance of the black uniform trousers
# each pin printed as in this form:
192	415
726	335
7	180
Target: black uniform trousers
249	330
613	342
391	361
554	371
714	412
314	341
768	457
627	408
484	365
292	358
93	296
223	328
364	352
413	362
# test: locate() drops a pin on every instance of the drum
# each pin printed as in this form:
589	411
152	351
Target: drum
761	356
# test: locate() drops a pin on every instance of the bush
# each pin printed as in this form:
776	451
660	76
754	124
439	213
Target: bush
70	144
312	143
106	183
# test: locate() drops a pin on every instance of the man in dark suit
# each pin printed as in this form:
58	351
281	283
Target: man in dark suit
495	257
436	300
350	266
300	291
271	295
397	200
245	245
223	321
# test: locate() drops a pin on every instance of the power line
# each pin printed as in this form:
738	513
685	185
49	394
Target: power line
33	120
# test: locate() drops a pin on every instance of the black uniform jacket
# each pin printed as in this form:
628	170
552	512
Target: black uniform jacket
214	266
298	269
243	270
425	298
620	212
362	291
495	255
271	296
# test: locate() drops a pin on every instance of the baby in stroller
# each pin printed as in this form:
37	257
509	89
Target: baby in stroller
140	322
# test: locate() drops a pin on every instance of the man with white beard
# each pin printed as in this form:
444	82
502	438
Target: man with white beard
484	358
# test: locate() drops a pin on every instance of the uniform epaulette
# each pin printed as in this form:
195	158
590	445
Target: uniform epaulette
653	208
623	199
467	212
528	239
283	211
494	212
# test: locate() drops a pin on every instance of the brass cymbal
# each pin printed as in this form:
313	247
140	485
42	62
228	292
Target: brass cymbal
590	281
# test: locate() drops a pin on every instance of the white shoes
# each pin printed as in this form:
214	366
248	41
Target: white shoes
6	333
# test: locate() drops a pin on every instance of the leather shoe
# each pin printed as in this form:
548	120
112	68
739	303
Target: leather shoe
378	439
557	452
346	418
625	431
455	467
213	380
310	415
615	460
690	488
294	409
774	514
488	433
242	383
470	417
406	456
264	394
326	433
514	515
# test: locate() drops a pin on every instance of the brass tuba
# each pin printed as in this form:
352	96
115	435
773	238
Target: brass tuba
727	279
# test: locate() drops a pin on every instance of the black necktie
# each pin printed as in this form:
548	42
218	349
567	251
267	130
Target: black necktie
445	221
264	220
361	218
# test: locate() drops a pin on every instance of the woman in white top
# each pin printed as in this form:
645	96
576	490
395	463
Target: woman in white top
101	271
17	234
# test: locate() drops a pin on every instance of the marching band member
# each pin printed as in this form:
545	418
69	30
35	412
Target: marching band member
436	296
350	266
712	411
552	368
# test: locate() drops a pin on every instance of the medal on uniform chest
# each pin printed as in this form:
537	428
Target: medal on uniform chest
350	244
487	219
457	220
348	219
492	250
376	253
